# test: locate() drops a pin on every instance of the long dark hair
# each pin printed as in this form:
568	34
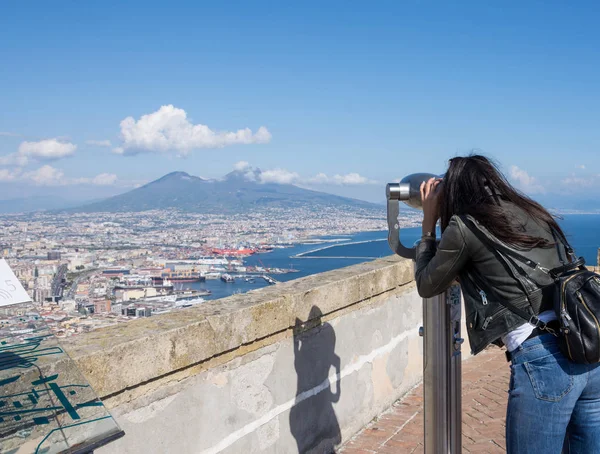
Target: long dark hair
473	185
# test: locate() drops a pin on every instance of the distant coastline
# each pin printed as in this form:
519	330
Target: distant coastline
574	212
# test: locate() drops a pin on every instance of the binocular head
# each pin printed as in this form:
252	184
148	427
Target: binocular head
409	192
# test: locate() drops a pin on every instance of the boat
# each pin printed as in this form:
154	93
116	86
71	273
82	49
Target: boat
188	279
227	278
183	276
192	293
161	299
189	302
233	252
269	280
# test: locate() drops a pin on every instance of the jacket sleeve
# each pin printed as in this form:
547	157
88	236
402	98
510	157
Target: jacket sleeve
437	267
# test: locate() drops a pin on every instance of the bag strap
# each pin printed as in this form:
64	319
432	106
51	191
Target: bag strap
501	249
564	242
525	281
495	244
575	262
561	251
558	271
530	318
512	268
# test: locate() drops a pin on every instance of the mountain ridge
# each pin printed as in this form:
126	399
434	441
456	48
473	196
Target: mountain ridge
238	191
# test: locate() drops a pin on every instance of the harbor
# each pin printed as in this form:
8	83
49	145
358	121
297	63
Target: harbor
224	276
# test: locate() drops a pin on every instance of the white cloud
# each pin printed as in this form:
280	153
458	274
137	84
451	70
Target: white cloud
99	143
43	150
168	129
250	175
104	179
14	159
351	178
51	176
284	176
9	175
319	178
525	182
573	182
244	167
46	176
48	149
348	179
241	166
279	176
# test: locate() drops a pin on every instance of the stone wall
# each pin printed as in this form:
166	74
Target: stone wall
296	367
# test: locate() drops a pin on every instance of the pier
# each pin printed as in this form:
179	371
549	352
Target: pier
266	277
269	279
312	251
338	257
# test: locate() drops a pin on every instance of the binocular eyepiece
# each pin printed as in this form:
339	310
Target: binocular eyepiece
409	192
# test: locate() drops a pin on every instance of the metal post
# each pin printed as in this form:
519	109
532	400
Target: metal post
442	342
453	300
442	373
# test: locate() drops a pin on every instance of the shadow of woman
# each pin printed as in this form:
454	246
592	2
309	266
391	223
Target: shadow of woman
313	422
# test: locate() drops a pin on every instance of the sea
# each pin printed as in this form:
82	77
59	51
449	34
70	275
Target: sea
582	230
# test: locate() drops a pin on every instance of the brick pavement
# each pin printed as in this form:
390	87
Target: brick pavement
400	429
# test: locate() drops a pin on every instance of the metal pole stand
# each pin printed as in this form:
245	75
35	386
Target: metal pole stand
441	320
442	373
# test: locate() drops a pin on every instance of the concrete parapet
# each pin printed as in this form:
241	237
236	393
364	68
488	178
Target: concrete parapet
296	367
167	343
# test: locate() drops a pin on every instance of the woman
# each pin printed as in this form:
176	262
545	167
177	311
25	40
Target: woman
551	400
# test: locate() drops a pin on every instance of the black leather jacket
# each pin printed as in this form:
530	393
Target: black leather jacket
461	254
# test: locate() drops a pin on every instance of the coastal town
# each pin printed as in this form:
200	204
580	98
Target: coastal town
89	270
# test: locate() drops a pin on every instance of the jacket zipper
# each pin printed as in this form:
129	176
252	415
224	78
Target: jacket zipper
580	297
485	302
486	322
483	296
565	322
489	318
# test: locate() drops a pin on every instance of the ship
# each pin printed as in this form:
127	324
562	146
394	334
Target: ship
140	282
184	276
227	278
234	252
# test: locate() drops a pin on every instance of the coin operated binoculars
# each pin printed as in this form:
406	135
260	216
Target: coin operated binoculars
441	335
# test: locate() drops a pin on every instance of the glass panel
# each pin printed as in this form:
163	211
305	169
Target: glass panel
46	404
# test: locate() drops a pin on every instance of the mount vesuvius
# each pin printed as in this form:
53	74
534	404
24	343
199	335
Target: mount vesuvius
237	192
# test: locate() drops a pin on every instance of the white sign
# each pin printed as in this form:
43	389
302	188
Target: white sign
11	290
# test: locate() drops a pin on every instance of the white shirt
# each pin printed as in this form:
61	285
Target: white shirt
517	336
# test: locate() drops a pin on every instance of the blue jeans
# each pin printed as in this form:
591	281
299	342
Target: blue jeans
551	401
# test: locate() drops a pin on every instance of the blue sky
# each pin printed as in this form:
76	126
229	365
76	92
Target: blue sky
349	94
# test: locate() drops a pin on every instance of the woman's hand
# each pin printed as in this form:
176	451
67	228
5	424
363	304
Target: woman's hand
430	196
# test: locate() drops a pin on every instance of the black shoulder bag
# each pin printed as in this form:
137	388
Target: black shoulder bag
576	299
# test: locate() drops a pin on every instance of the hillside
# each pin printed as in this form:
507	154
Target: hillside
232	194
